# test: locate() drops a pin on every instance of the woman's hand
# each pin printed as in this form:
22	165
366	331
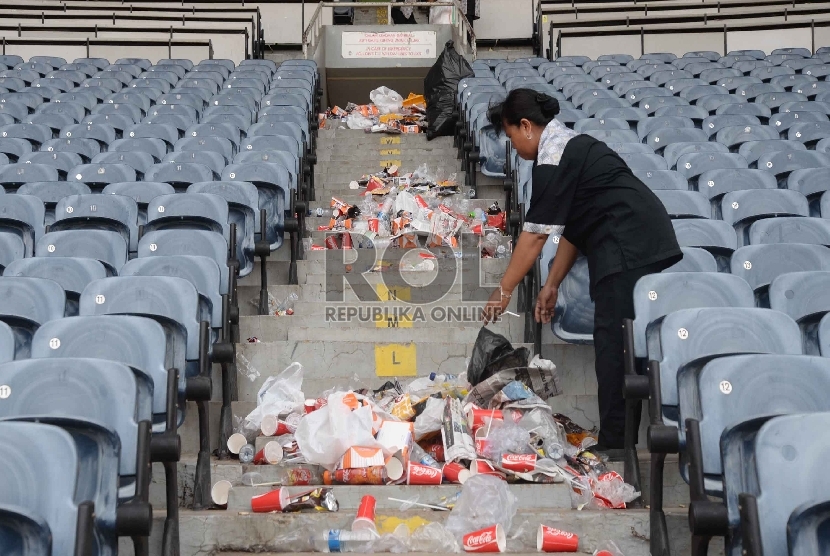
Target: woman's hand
545	303
495	306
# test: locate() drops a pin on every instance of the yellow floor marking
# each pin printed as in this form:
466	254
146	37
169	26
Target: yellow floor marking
388	163
390	152
390	140
395	360
385	293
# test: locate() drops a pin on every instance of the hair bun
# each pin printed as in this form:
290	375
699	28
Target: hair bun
548	105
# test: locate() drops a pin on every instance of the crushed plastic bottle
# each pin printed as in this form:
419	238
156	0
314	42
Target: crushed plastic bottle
286	307
246	453
244	367
338	540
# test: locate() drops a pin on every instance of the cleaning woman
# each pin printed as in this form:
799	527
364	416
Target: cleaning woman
585	196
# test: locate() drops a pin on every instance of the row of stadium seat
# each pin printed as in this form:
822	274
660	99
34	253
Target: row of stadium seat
749	298
120	293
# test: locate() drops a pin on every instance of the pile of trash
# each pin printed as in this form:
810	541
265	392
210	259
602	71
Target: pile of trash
388	112
413	210
491	420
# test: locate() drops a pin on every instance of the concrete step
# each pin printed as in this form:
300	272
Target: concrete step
228	532
343	363
419	334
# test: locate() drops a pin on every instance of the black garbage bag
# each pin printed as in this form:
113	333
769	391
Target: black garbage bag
491	354
441	87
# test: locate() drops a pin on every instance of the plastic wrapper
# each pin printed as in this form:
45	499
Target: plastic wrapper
433	538
441	86
279	395
608	548
517	395
484	501
357	120
244	367
546	435
387	100
458	444
493	353
506	437
430	419
324	435
576	435
611	491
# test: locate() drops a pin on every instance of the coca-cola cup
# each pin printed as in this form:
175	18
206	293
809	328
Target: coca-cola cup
235	442
219	492
374	225
477	418
521	463
484	467
268	426
456	473
310	405
271	454
555	540
481	442
365	518
288	424
491	539
418	474
273	501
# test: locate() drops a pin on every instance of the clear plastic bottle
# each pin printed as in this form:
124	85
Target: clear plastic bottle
338	540
288	303
418	455
246	453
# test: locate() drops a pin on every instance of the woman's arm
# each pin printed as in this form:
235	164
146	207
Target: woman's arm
527	250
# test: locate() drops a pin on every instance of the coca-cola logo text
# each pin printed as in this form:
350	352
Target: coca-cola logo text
423	471
483	538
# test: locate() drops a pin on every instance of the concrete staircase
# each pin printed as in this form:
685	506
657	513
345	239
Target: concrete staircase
366	354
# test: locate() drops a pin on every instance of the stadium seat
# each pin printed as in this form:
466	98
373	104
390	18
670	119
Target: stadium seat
23	215
715	236
780	164
116	213
39	509
809	133
138	161
50	192
14	175
752	150
692	165
811	183
106	246
646	127
805	528
179	175
803	296
217	144
662	179
11	249
197	211
213	160
790	230
97	176
674	151
166	132
86	148
639	162
684	204
62	162
72	274
118	122
661	138
716	183
28	303
758	504
272	182
741	208
153	146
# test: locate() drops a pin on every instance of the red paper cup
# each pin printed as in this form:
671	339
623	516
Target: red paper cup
456	473
235	442
491	539
273	501
268	426
271	454
365	518
309	406
331	242
484	467
521	463
288	425
374	225
436	451
417	474
481	442
347	240
478	418
219	492
555	540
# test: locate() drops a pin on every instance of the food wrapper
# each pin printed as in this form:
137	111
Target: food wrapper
458	444
318	499
544	382
408	241
357	457
403	409
575	434
368	110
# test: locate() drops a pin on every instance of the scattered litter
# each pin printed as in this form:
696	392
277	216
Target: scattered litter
244	367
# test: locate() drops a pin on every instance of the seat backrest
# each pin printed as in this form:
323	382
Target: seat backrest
802	295
772	384
179	174
23	215
188	210
86	148
106	246
20	173
789	442
102	392
173	302
741	208
99	212
204	243
138	161
660	138
11	248
202	272
716	183
7	343
699	334
790	230
759	265
713	235
780	164
753	150
639	162
73	274
43	485
806	529
684	204
657	295
136	342
152	146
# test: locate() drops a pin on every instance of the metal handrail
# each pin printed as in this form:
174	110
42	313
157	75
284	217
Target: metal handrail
311	31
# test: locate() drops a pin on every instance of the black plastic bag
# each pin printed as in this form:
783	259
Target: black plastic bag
491	354
441	87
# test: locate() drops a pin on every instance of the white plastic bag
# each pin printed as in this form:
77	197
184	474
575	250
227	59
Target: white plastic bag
440	15
356	120
485	500
279	395
323	436
430	419
387	100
